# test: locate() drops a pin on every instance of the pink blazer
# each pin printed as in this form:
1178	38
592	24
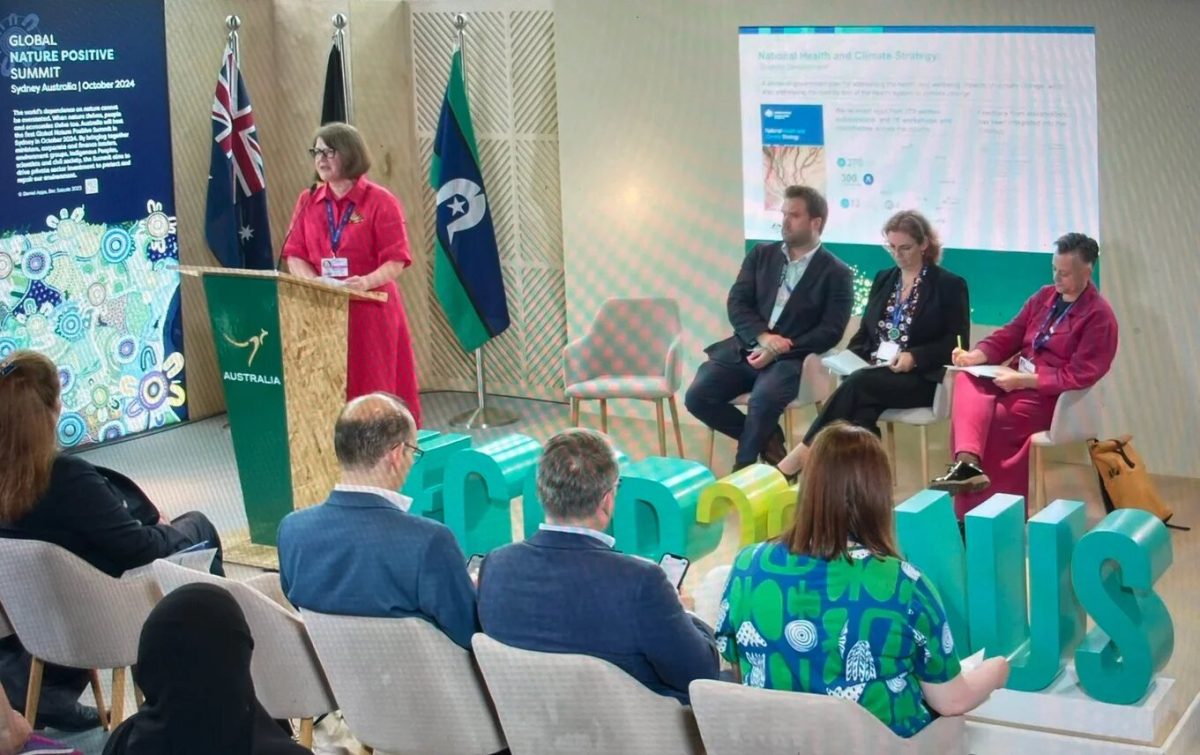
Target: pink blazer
1080	350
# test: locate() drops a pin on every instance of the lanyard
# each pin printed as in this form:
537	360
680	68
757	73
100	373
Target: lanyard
1047	329
335	233
899	309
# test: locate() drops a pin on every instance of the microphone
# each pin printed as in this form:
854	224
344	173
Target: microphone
279	266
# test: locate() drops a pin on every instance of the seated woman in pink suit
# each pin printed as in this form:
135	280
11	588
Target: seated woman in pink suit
1063	339
352	229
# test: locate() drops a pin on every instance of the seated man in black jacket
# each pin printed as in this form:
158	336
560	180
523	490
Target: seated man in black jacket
791	299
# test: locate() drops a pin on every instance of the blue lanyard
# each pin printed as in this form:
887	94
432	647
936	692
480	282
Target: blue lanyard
335	233
1047	329
899	309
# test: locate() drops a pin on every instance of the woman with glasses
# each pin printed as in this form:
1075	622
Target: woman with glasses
916	313
1063	339
350	229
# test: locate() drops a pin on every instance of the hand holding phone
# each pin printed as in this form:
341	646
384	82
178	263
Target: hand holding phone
675	567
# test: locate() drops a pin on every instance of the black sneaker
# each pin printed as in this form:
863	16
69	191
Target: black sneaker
961	477
77	717
791	478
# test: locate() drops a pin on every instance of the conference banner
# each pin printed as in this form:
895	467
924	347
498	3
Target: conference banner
990	131
89	257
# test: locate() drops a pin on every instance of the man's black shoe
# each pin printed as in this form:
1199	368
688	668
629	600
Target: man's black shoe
774	451
77	717
791	478
961	477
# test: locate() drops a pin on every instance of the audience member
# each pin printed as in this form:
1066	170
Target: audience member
565	590
360	553
830	607
193	666
97	514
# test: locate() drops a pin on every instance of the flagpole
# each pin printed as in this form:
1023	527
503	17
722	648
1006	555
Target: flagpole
233	23
482	416
340	22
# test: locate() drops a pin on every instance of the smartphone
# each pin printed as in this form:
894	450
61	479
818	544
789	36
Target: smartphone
473	564
675	567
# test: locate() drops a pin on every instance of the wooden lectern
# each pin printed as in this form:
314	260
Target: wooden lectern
281	347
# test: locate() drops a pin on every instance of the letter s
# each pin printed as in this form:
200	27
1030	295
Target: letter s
1114	570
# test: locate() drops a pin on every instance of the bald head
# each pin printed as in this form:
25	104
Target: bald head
369	427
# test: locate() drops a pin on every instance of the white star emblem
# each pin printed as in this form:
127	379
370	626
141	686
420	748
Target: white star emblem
246	233
457	206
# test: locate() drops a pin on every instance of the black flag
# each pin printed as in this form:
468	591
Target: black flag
333	105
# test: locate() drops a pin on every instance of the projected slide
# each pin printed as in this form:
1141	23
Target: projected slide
990	131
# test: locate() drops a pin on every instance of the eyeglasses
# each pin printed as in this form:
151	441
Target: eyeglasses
902	249
327	153
417	452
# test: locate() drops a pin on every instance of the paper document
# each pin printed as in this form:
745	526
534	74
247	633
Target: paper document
988	371
845	362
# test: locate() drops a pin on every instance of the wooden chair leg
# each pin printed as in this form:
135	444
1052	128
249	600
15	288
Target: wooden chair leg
675	422
34	691
712	443
890	437
1039	479
662	427
306	732
574	412
925	478
98	693
787	427
118	697
604	415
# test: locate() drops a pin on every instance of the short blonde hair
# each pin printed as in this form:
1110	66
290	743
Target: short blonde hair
343	137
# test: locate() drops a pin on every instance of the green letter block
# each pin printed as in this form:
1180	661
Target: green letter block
656	510
749	491
929	539
424	483
1056	620
1114	568
996	574
532	513
480	484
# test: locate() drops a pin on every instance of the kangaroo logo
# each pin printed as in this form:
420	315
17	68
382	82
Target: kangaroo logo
254	344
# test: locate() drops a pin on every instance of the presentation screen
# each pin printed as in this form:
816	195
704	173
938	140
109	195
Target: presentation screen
988	131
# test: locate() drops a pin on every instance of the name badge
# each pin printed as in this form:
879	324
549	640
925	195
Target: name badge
334	267
1025	366
887	351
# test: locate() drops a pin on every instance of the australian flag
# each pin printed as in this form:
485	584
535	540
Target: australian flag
236	224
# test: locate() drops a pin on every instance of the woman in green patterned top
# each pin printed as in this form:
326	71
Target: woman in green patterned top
831	608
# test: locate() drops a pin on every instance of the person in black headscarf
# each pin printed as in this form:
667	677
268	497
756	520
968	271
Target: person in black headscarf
194	668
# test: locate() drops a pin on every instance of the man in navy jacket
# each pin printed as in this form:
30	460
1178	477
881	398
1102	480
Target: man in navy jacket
360	553
565	590
791	299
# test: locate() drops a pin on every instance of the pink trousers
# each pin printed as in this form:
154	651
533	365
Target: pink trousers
996	426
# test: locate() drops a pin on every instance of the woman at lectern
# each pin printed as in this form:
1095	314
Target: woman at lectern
916	312
99	515
351	229
830	607
1063	339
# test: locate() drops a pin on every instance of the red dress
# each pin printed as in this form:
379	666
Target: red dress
997	426
379	351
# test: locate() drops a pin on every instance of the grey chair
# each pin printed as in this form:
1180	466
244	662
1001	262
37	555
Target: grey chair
735	719
631	351
403	686
1076	419
562	702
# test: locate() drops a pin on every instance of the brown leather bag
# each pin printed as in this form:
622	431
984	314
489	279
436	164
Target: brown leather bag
1124	481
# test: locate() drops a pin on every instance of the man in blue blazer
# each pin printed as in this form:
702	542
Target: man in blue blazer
565	590
360	553
791	299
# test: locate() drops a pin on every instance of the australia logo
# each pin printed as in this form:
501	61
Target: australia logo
254	344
